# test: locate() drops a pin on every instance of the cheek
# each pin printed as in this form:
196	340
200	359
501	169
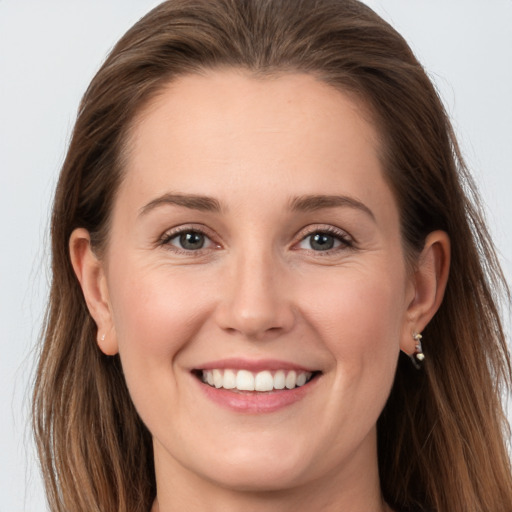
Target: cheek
156	312
360	303
360	318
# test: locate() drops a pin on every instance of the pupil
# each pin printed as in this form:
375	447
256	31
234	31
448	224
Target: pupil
192	240
322	242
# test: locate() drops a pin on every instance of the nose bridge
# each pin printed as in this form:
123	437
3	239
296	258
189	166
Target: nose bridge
257	303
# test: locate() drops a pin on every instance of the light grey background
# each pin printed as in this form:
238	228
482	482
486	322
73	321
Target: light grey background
49	50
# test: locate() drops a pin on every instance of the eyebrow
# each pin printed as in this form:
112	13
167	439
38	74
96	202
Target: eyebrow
191	201
305	203
319	202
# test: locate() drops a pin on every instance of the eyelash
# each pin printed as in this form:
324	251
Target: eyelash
168	237
345	241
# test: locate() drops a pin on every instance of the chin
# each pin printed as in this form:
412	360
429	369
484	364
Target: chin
251	466
257	475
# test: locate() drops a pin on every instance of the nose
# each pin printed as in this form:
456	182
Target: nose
256	301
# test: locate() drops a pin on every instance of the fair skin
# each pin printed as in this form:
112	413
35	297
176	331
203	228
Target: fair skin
293	261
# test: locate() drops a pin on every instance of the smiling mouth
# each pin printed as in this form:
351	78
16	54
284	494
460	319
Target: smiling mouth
262	381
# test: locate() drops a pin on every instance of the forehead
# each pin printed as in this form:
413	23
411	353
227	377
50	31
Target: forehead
233	135
193	100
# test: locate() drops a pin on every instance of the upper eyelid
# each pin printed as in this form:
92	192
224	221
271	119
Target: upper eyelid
299	236
346	241
184	228
164	240
322	228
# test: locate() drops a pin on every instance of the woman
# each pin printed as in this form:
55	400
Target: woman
261	215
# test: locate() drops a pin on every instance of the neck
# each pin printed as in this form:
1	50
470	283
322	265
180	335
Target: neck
282	501
352	487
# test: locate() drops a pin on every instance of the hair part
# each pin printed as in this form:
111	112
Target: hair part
442	433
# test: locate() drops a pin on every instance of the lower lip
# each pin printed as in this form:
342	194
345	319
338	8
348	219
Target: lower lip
254	402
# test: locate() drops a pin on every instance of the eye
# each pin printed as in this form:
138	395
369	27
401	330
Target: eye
187	240
324	241
191	241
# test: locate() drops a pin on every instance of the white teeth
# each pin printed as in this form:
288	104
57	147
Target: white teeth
279	379
229	379
264	381
244	380
218	379
301	379
291	380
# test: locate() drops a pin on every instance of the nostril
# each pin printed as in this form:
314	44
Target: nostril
255	308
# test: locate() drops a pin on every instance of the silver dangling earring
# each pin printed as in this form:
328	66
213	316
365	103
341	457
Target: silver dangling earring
418	358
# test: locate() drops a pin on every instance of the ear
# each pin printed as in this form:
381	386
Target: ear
90	273
428	284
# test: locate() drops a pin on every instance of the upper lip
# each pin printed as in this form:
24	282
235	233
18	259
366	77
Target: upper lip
253	365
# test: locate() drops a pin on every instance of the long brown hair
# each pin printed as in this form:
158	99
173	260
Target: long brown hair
442	435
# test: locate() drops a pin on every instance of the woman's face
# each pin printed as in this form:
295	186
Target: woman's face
255	242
